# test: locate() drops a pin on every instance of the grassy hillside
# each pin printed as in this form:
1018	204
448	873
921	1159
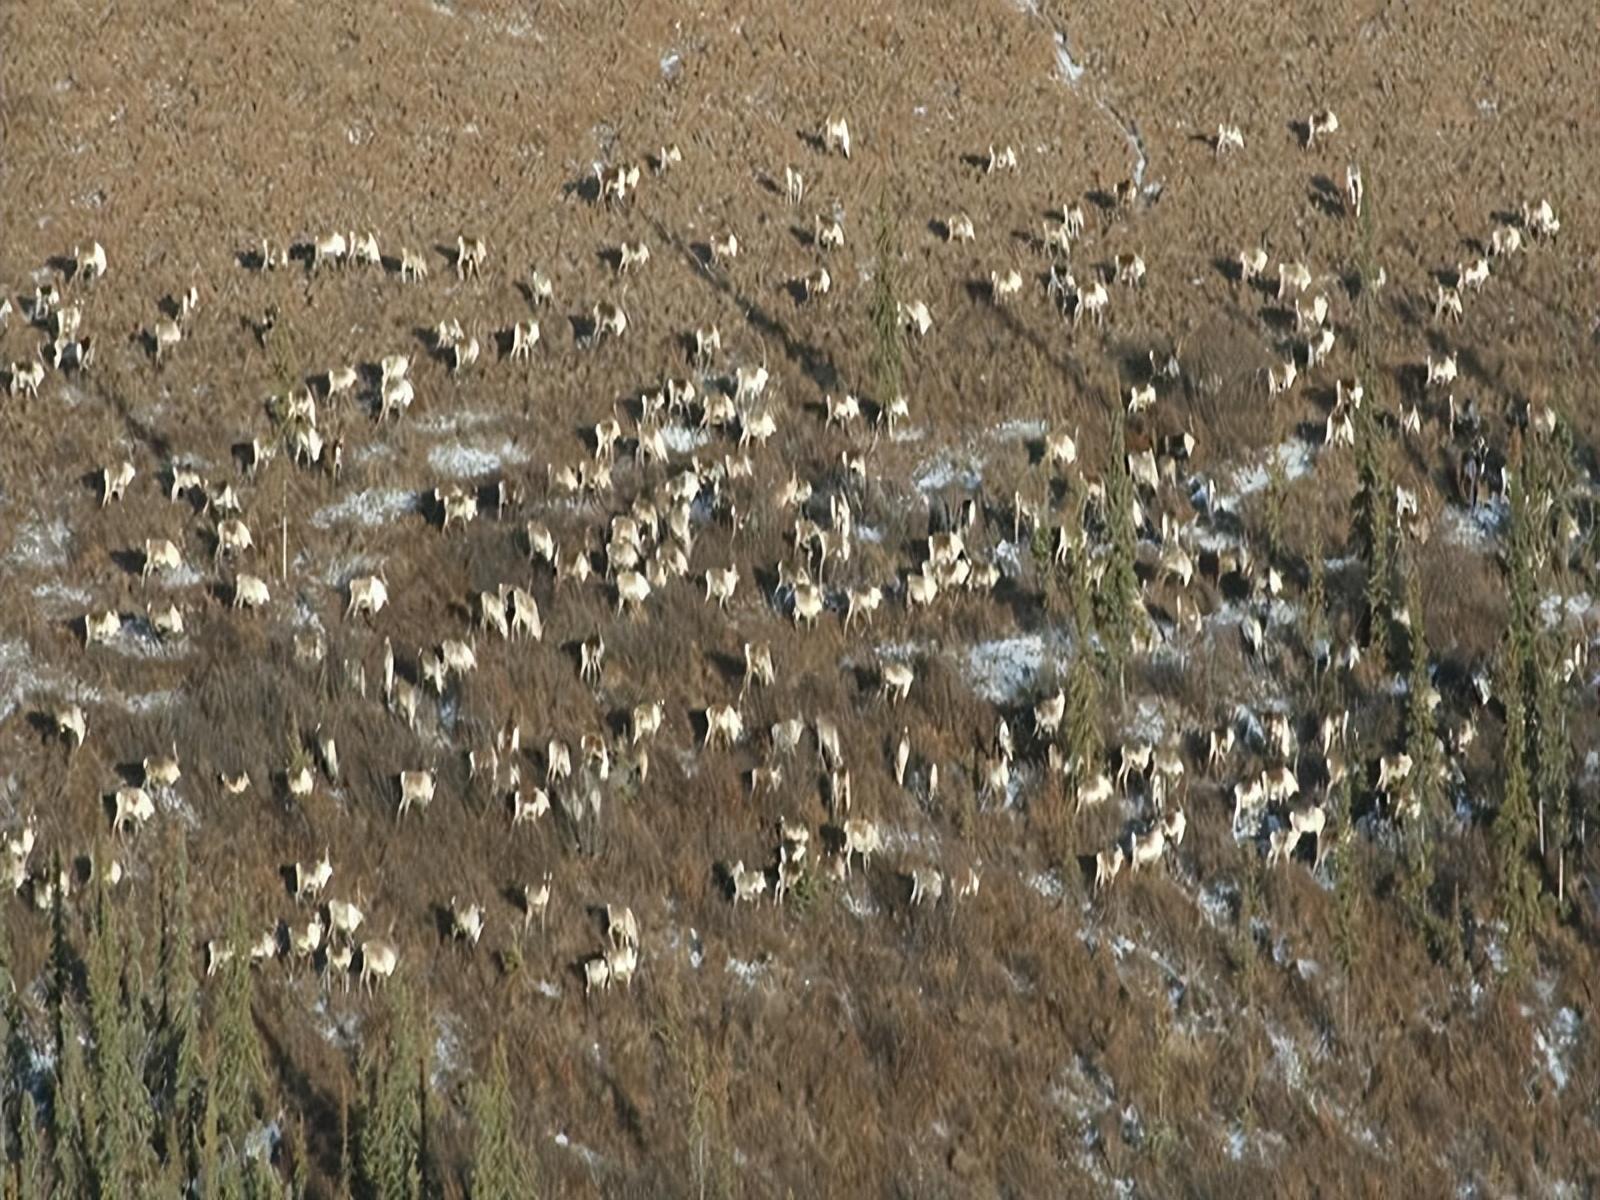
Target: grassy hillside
1401	1005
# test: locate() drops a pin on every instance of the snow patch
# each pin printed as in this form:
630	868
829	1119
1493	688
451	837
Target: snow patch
939	473
343	1030
141	703
591	1159
1216	903
62	596
1294	458
40	543
1149	723
1262	1143
446	1049
1286	1056
896	839
1553	608
1005	671
697	949
859	906
456	422
375	506
1084	1091
459	461
1088	1095
749	972
1236	1142
19	673
1047	884
900	651
680	439
262	1142
1556	1045
1008	557
339	572
305	617
1494	946
137	639
1070	70
182	576
1475	528
1018	430
175	805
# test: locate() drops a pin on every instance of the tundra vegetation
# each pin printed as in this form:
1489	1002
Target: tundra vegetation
1001	627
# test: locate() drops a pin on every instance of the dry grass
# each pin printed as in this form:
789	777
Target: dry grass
1033	1041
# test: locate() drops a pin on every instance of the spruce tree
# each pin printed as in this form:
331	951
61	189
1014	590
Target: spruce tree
498	1169
302	1163
1085	749
260	1180
1422	748
12	1084
1348	895
121	1102
71	1107
71	1112
1375	524
33	1182
389	1151
1513	834
1077	566
231	1181
1525	543
18	1052
390	1166
1552	755
238	1076
427	1177
1084	743
170	1178
133	1062
61	960
1318	634
1522	541
1338	801
1316	593
1421	736
346	1166
1550	477
179	1027
1119	605
1273	498
208	1144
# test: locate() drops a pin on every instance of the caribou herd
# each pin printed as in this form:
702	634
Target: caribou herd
650	547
